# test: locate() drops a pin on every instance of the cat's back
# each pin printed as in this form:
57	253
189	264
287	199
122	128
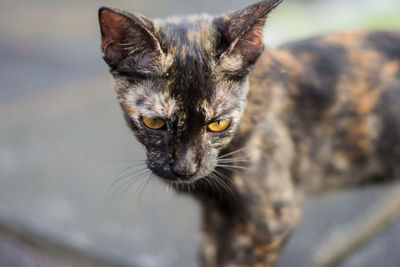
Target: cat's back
348	61
345	74
324	67
386	44
340	104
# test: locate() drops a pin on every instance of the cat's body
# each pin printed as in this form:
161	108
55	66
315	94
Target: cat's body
330	117
336	98
320	114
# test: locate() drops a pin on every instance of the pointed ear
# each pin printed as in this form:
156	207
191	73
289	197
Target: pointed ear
128	42
242	31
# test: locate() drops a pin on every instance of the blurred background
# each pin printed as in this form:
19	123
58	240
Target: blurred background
67	161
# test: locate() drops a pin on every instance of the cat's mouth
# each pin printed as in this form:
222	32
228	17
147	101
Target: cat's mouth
175	179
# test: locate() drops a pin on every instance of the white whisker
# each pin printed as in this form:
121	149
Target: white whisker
233	152
232	166
233	160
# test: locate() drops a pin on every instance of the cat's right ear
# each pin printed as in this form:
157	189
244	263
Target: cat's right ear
128	42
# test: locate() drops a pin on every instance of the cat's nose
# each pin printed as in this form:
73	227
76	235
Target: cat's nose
185	163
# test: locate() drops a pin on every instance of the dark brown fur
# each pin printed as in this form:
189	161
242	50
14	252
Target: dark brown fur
321	113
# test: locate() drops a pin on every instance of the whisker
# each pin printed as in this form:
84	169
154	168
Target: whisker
127	181
224	180
148	179
218	183
125	186
136	162
121	174
143	178
153	182
228	166
233	152
233	160
222	185
122	177
210	181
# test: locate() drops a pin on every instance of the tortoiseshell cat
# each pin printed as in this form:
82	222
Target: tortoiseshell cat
321	113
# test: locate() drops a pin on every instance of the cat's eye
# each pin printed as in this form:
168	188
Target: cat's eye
153	122
219	126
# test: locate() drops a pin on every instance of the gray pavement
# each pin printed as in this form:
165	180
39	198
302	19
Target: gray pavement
67	160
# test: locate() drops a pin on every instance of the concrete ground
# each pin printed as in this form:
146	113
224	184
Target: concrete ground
67	160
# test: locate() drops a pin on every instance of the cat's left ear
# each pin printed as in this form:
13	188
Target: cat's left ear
242	32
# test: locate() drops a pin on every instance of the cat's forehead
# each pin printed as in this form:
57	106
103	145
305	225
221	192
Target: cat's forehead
193	45
154	98
190	42
189	38
188	30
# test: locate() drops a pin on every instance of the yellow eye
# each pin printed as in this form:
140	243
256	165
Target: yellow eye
153	122
219	126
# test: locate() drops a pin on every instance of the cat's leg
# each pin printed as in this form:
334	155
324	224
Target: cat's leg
253	240
251	229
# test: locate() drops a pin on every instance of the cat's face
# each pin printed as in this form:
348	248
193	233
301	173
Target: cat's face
182	130
182	83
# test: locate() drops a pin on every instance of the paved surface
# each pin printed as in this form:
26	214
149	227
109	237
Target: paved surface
67	159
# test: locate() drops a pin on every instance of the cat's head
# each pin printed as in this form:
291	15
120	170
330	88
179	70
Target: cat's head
182	82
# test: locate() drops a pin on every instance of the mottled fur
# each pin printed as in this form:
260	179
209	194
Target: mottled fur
321	113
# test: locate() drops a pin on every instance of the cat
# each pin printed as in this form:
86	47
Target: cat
247	130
